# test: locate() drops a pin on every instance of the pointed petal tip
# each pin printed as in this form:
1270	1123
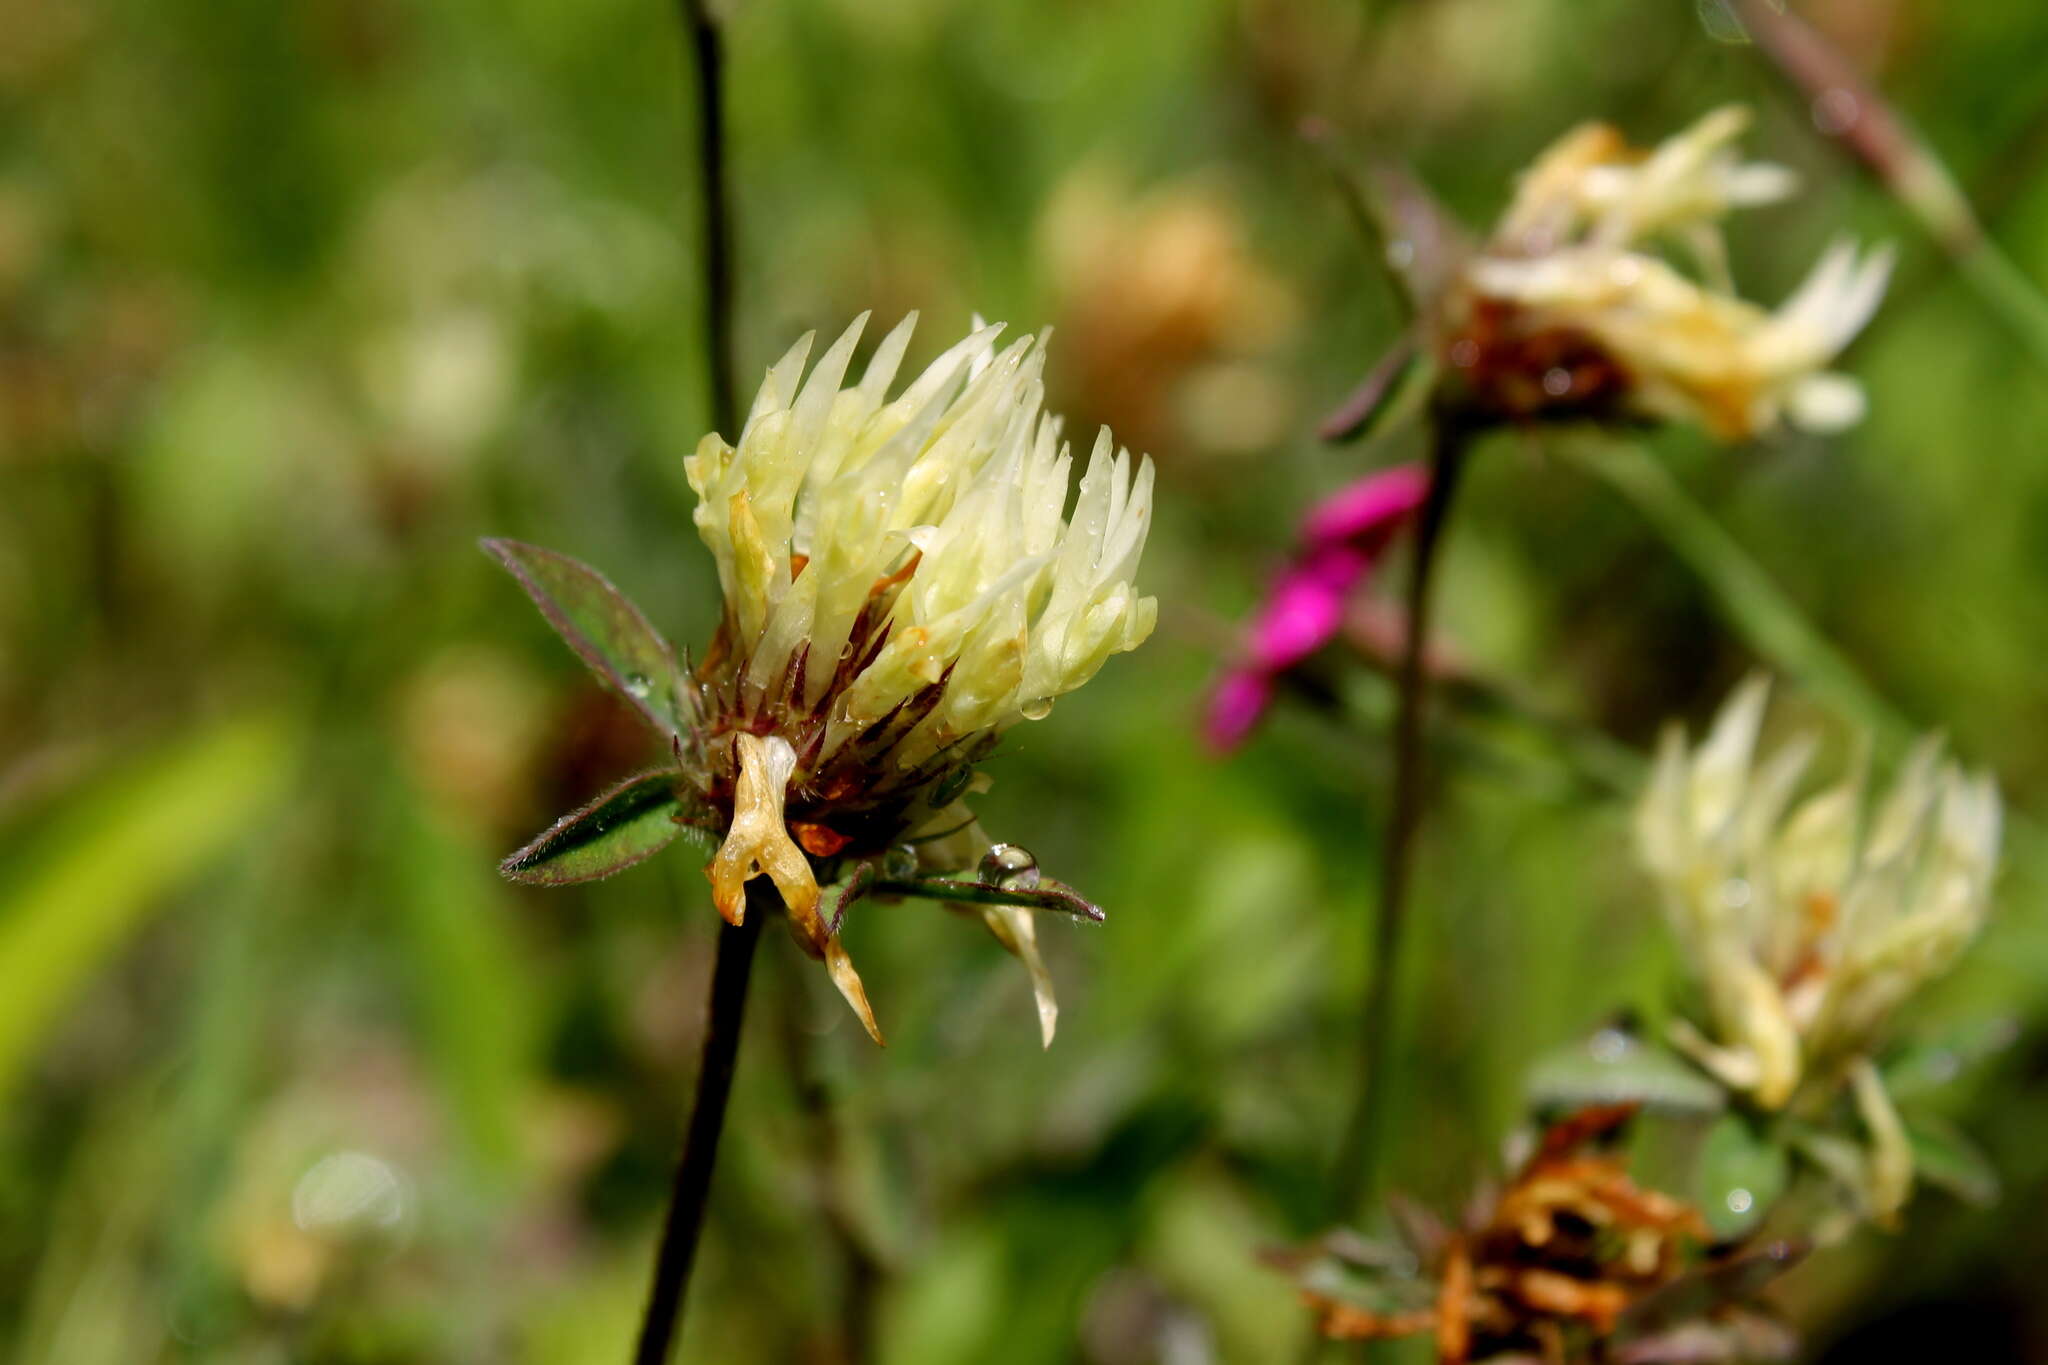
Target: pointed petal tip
840	966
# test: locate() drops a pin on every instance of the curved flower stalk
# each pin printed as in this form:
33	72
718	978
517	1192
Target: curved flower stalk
902	584
1807	920
1568	311
1342	541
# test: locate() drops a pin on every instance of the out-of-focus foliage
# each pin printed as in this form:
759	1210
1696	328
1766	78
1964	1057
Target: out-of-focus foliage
296	301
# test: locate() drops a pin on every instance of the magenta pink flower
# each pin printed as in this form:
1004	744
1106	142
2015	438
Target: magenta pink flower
1342	539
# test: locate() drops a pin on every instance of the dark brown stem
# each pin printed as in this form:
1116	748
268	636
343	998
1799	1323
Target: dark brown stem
684	1222
692	1185
1360	1153
715	205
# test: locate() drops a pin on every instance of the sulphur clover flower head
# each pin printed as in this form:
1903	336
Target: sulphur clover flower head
902	583
1808	918
1569	309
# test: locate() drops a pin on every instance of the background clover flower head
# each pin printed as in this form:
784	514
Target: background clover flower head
1808	919
1570	311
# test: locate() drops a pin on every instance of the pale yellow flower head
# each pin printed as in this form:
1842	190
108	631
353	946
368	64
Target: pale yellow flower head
1807	918
903	582
1572	272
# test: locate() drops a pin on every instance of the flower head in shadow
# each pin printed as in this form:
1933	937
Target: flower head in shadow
1568	309
902	583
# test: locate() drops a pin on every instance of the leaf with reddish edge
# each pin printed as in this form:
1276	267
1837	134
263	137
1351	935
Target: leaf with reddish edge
628	824
604	628
1384	387
1047	895
841	895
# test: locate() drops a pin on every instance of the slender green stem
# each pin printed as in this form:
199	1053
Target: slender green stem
2009	292
1759	608
683	1224
690	1191
1360	1153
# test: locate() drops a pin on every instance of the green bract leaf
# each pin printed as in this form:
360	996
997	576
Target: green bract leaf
1742	1173
1616	1067
1932	1064
1385	390
1711	1289
605	629
1047	895
631	822
840	896
1944	1158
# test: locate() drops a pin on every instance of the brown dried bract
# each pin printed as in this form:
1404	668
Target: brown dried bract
1549	1269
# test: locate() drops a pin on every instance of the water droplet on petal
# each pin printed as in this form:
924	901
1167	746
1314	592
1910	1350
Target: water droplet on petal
1610	1045
1009	868
1735	893
1740	1200
1037	709
1557	381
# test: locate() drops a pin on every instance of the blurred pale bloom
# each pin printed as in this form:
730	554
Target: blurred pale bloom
902	584
1166	312
1343	539
1808	920
1570	269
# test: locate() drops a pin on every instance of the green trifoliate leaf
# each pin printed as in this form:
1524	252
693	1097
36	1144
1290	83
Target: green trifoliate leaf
1614	1066
1946	1159
628	824
1742	1172
605	629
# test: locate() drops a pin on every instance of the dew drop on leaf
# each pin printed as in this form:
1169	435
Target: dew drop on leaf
1009	867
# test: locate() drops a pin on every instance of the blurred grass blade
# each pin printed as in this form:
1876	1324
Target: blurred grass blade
473	996
131	838
1851	111
628	824
1756	606
604	628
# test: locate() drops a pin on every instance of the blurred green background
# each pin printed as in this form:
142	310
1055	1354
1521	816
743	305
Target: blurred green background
296	301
